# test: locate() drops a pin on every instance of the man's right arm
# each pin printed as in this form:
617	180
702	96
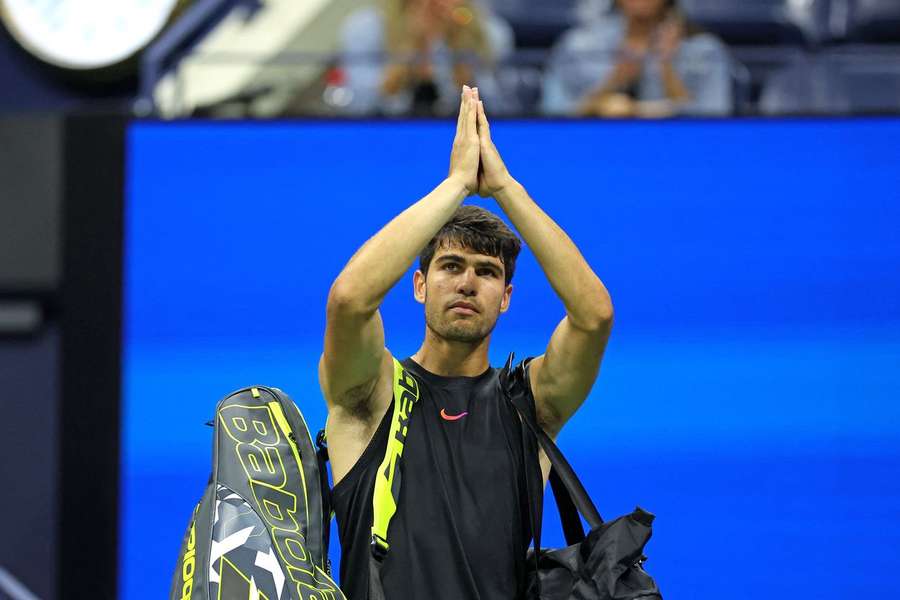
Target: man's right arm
355	367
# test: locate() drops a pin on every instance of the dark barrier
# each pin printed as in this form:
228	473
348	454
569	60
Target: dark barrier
60	255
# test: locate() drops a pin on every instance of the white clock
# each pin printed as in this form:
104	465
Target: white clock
85	34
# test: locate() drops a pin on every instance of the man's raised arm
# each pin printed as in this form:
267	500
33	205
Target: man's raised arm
562	378
354	357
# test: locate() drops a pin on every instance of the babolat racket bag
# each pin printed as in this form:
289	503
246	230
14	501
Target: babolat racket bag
261	528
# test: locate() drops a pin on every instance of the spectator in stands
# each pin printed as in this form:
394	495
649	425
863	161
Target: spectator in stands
413	56
644	59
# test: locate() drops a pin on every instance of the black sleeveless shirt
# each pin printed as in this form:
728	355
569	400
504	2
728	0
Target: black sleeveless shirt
462	528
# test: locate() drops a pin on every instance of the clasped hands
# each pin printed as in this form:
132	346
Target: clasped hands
474	160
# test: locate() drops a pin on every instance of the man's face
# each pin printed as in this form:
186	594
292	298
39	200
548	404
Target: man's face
463	293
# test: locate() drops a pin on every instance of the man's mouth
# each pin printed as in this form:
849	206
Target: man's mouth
463	308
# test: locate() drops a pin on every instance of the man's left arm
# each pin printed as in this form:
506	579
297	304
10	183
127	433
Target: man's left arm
563	376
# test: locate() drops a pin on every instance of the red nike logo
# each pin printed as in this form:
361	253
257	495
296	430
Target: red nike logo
447	417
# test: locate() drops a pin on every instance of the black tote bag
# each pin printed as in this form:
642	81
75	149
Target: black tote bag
605	564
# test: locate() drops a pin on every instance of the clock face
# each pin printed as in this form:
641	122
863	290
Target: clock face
85	34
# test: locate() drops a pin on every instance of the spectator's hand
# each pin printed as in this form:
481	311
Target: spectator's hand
430	21
613	105
446	17
464	158
655	109
462	74
668	38
493	175
606	100
627	70
396	78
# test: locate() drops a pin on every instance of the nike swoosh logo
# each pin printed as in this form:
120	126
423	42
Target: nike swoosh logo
447	417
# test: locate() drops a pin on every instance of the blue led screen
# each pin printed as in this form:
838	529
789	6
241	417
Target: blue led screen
750	394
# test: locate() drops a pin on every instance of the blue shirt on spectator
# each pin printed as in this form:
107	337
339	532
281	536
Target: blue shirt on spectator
585	57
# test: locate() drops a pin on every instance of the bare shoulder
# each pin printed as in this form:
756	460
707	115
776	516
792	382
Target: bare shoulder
354	418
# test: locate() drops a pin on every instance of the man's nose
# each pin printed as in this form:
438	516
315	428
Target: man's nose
467	282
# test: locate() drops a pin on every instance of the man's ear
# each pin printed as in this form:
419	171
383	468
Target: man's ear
504	302
419	286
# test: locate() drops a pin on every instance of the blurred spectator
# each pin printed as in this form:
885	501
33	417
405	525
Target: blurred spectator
413	56
645	59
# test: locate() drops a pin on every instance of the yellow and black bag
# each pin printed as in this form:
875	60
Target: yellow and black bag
261	528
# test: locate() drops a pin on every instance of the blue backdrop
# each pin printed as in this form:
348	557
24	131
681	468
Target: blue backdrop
750	395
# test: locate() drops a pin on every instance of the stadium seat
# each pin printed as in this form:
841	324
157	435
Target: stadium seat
521	85
841	81
537	24
871	78
874	21
806	86
741	88
758	22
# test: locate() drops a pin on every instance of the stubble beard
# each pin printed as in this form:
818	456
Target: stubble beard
469	331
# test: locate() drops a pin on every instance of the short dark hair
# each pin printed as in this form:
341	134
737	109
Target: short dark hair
479	230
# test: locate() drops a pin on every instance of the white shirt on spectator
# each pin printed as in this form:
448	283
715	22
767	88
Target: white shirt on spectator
363	62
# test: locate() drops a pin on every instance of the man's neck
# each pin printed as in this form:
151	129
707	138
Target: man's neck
452	359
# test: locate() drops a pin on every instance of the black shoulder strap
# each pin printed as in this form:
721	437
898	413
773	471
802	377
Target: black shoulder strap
534	486
516	386
568	514
322	459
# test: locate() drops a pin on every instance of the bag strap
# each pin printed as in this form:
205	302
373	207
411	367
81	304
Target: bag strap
568	514
517	387
387	478
327	510
534	487
570	482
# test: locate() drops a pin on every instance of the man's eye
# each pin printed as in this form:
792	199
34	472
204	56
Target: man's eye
450	266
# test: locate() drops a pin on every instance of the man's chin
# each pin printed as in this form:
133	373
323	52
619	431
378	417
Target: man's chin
468	337
457	332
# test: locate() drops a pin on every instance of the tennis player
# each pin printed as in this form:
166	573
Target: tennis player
461	529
